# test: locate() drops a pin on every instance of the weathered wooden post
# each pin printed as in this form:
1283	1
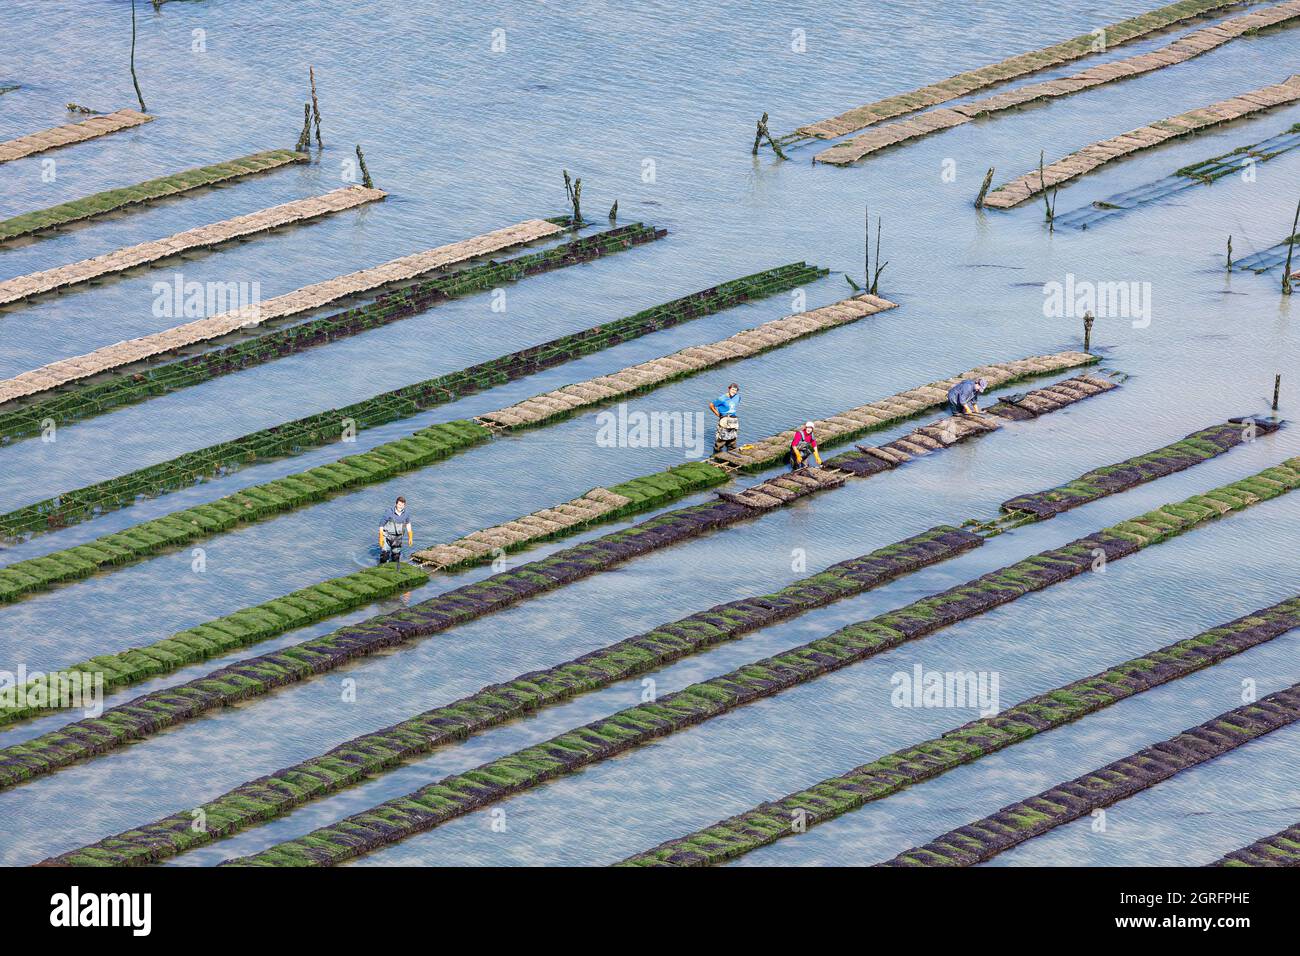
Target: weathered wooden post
613	212
1277	388
880	266
984	190
1290	248
1048	203
315	104
1230	253
573	187
762	131
1088	319
138	95
304	138
365	173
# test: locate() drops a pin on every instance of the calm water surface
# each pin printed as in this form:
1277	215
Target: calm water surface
466	140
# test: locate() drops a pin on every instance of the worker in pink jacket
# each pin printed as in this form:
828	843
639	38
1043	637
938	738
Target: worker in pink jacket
802	445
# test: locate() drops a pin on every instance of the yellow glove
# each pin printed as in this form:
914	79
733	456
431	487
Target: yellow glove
798	458
410	537
381	539
818	456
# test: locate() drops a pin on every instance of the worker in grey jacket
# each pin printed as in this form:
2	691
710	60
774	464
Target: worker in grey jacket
962	397
396	523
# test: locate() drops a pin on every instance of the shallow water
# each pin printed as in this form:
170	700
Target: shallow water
468	140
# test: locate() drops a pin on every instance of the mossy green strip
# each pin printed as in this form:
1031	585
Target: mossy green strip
113	199
304	434
84	399
699	702
887	775
497	703
250	504
239	629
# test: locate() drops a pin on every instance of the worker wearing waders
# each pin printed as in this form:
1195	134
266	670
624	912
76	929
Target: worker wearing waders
397	520
724	406
802	445
962	396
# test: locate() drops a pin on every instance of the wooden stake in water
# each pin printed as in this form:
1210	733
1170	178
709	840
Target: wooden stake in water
304	138
1290	248
1088	319
984	190
1230	253
365	173
613	212
573	187
880	266
138	95
315	103
1277	388
1048	202
762	132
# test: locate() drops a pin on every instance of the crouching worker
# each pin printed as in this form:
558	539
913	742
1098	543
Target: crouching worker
396	521
962	397
802	445
724	406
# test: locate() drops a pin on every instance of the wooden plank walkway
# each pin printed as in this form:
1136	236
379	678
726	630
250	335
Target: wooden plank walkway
647	375
1181	50
1098	154
264	220
71	133
1009	69
304	299
897	407
607	503
112	200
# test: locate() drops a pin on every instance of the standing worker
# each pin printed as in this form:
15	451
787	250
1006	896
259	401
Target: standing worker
962	396
395	521
802	445
724	406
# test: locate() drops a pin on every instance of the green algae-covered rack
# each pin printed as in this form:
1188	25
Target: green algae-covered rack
885	776
81	399
111	200
460	793
323	428
260	675
372	753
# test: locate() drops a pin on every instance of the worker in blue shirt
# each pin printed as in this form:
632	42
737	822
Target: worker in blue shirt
962	397
724	406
